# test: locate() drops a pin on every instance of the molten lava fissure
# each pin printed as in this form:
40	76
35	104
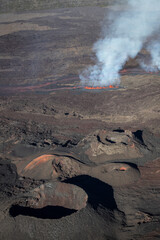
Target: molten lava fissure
92	88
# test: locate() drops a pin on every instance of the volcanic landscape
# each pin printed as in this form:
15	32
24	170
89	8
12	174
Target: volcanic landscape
75	162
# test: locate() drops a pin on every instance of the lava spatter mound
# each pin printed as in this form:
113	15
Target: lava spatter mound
116	174
104	145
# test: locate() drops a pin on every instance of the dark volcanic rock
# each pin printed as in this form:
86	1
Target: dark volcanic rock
8	172
141	201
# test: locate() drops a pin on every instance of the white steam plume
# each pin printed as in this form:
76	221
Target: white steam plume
124	39
154	64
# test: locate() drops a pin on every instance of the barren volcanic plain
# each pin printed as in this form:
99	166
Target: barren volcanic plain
74	163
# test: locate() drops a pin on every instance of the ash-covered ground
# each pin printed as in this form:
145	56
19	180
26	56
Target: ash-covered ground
75	164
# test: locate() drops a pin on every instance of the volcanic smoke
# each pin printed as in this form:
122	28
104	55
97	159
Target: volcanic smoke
127	34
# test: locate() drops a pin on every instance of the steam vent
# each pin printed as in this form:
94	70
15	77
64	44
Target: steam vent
80	120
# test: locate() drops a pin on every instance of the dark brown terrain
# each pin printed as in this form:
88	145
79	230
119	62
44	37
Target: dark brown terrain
74	163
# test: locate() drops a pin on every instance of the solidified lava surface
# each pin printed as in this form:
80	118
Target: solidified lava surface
74	163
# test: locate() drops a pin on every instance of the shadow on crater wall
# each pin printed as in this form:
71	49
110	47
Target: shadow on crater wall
49	212
99	193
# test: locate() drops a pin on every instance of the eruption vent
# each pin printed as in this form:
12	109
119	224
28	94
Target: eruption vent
124	38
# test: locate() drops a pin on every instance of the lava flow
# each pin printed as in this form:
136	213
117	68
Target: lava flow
97	88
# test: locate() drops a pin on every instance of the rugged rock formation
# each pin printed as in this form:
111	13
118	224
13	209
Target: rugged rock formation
58	194
106	145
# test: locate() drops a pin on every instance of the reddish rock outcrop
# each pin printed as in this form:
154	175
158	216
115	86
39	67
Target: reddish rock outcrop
58	194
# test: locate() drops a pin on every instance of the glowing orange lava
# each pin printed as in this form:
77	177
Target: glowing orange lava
92	88
123	169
